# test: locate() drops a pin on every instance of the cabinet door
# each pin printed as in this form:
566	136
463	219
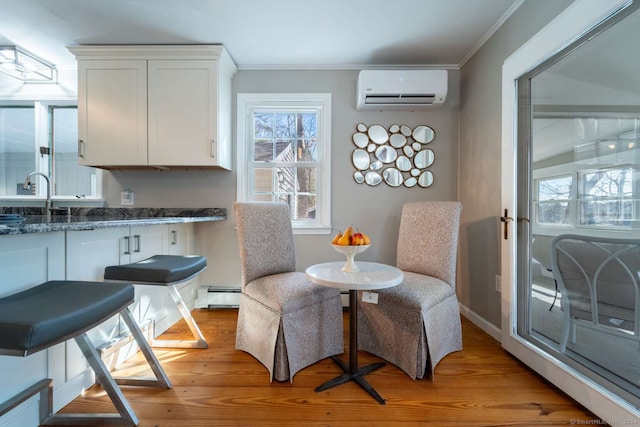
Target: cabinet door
112	112
183	112
180	239
89	252
26	260
147	241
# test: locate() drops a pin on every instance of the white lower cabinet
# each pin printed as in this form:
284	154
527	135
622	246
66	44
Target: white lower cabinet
180	243
26	261
30	259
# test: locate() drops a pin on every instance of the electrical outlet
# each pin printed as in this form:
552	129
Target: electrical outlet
127	198
498	283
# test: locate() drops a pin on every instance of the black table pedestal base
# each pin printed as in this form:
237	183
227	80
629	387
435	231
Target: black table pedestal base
351	371
357	376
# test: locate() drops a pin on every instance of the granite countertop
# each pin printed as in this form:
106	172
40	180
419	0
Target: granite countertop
92	218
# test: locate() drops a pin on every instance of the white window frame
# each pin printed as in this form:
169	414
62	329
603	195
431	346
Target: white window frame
574	169
570	201
42	138
247	102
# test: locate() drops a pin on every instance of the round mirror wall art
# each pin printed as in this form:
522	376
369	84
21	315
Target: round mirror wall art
398	156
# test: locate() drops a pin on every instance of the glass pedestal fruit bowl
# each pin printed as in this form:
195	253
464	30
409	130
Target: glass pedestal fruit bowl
350	252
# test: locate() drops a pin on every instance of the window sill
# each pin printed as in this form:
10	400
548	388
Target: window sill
311	230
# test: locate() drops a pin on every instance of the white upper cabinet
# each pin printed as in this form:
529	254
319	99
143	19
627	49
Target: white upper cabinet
154	106
112	113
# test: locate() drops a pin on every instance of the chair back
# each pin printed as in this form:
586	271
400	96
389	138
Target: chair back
598	277
265	238
428	239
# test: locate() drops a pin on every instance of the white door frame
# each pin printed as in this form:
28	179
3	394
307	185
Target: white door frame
568	26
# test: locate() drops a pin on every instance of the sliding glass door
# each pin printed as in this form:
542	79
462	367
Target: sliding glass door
572	168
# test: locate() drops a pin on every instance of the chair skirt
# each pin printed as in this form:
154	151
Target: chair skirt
413	326
287	337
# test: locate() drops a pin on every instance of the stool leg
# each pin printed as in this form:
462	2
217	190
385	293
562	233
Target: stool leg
126	414
199	342
161	377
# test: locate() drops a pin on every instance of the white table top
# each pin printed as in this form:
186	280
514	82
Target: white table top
372	275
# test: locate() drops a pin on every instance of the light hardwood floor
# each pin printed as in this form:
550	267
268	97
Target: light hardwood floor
480	386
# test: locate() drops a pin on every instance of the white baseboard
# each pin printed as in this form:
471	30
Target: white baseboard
481	323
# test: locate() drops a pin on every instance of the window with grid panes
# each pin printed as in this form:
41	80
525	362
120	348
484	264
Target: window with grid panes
284	155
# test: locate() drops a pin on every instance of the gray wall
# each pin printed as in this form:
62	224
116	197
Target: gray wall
375	210
480	161
467	167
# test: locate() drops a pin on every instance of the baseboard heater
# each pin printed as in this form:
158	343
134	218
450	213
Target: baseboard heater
216	297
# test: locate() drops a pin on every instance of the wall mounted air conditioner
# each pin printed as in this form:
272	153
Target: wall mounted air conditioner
401	89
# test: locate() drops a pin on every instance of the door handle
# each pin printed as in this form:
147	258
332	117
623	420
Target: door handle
506	219
136	239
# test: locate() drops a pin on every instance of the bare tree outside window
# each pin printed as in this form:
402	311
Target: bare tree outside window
554	195
285	142
606	197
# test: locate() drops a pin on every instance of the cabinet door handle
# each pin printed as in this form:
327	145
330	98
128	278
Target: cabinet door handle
213	148
81	149
127	245
136	239
174	237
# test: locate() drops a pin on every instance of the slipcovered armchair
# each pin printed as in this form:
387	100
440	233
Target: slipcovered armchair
417	323
598	283
284	321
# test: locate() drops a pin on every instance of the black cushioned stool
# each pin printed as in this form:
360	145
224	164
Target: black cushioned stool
168	271
55	311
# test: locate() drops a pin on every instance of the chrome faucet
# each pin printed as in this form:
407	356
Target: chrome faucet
27	184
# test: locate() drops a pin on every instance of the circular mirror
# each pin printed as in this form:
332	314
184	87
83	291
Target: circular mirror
393	177
361	127
378	134
360	159
405	130
360	139
410	182
416	146
397	140
408	151
386	154
415	172
425	179
423	159
372	178
358	176
376	166
371	148
403	164
423	134
394	128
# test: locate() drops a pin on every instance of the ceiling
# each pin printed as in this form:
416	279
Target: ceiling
259	34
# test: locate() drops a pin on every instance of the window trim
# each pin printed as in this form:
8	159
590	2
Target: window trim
321	101
574	170
42	108
571	200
